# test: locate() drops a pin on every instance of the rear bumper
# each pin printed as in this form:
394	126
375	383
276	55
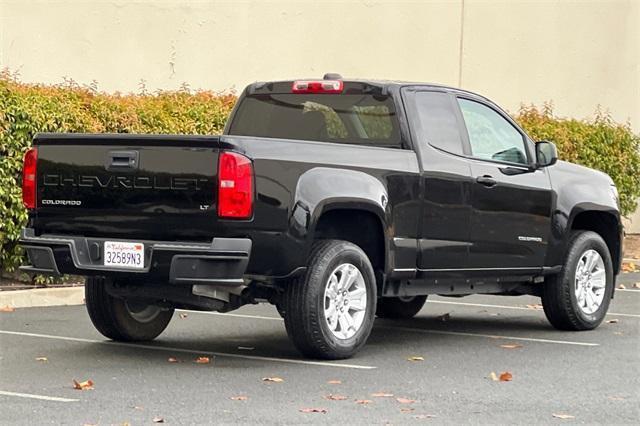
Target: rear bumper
223	261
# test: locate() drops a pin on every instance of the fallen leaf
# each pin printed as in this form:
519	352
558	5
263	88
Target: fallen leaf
203	360
563	416
7	309
245	348
382	395
313	410
172	359
506	376
239	398
612	321
618	333
511	346
405	400
616	398
535	306
636	285
333	397
334	382
42	359
424	416
493	377
88	385
628	267
137	407
363	401
272	379
622	287
158	419
407	410
415	358
183	316
444	318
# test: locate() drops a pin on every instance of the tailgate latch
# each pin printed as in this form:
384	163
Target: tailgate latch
122	160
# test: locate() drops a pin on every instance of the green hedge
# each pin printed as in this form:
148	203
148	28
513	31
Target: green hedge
26	109
599	143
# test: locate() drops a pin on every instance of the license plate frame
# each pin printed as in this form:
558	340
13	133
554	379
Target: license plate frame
123	255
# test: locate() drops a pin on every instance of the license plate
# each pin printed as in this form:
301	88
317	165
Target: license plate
124	255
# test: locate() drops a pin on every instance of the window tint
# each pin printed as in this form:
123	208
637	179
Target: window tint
437	121
491	136
362	119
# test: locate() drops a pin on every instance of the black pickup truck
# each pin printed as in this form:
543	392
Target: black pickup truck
336	201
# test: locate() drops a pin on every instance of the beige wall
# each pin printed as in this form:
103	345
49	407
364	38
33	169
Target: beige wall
578	54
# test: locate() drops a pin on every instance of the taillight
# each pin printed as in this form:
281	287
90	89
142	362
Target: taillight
29	171
235	186
317	86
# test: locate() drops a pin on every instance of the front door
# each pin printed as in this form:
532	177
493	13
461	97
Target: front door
510	199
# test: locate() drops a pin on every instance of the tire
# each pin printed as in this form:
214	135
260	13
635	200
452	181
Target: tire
308	299
400	307
121	320
281	310
568	297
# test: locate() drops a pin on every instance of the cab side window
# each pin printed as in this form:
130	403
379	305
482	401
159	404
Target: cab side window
491	136
437	121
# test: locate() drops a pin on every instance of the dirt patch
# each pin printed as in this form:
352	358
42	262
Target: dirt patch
18	281
632	247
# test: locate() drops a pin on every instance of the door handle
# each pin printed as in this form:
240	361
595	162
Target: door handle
486	180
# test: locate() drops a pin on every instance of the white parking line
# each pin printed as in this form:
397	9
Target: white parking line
32	396
191	351
221	314
423	330
489	336
522	308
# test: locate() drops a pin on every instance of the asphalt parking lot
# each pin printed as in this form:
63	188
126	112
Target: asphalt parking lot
587	377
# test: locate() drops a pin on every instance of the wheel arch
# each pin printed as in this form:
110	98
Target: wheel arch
333	203
604	223
358	223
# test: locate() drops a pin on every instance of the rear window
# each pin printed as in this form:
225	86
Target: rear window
362	119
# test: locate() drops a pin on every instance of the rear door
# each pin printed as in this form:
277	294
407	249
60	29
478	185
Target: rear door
446	179
510	201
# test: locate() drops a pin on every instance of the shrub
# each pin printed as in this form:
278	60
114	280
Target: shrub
599	143
26	109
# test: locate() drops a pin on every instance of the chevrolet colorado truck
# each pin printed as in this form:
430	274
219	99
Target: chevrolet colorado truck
335	200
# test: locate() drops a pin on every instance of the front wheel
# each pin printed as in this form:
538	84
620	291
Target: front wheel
578	297
330	311
120	319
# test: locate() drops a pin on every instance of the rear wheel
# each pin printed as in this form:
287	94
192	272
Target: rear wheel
120	319
400	307
578	297
329	312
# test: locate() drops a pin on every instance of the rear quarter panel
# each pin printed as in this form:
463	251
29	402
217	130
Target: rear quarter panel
297	181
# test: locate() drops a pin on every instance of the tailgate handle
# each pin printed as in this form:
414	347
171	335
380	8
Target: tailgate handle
119	160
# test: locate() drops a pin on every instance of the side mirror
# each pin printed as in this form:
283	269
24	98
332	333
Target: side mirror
546	154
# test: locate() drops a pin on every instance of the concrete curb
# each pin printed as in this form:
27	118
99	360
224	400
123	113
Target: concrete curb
42	297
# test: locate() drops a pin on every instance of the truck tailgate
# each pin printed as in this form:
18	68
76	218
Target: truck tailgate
127	186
